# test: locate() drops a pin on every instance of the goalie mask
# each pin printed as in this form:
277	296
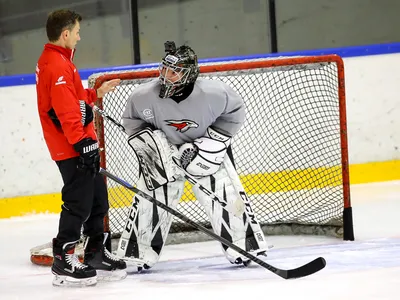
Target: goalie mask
178	69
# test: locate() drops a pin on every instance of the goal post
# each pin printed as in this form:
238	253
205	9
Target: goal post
291	153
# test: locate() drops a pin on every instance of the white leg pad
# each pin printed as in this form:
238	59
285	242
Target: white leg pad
147	227
235	229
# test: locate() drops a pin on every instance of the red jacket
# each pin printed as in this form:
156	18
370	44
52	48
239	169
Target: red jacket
59	87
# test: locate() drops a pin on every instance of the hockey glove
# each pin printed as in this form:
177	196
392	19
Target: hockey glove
89	158
204	156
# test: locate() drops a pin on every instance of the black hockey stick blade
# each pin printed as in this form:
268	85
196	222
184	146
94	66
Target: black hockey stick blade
302	271
305	270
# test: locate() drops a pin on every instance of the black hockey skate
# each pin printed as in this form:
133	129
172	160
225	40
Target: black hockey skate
67	269
108	267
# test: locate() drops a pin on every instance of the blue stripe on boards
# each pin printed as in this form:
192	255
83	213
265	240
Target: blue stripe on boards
352	51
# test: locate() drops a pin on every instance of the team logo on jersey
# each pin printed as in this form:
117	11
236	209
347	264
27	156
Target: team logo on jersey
182	125
148	114
61	80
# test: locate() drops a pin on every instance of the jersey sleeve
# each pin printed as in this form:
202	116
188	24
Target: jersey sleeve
131	119
233	115
91	95
65	103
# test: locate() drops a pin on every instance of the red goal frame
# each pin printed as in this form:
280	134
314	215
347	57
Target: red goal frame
348	233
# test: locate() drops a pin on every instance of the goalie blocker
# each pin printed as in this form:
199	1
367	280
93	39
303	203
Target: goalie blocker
147	227
153	152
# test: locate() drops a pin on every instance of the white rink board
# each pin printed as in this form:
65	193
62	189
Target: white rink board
372	110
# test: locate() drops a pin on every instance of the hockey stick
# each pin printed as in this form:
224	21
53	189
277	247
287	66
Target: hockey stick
305	270
107	117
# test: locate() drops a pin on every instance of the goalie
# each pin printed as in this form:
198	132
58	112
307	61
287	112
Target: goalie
199	117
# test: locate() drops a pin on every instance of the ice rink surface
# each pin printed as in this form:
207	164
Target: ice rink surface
368	268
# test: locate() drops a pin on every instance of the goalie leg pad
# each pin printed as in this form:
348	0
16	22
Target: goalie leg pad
255	239
147	226
154	153
237	230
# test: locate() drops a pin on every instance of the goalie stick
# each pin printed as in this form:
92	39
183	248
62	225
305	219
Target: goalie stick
313	266
302	271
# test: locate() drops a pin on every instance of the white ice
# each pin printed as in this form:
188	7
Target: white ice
368	268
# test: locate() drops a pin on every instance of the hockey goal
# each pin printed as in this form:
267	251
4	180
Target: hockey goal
291	154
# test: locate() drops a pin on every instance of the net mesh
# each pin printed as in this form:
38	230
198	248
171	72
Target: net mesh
288	153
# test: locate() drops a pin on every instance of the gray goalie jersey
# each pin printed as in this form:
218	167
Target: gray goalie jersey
211	102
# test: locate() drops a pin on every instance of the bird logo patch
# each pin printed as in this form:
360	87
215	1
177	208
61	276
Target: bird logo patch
182	125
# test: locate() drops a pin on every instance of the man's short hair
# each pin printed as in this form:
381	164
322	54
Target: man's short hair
60	20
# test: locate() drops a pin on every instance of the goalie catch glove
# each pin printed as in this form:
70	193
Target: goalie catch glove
204	156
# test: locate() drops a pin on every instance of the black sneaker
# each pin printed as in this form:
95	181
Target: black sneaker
97	256
67	268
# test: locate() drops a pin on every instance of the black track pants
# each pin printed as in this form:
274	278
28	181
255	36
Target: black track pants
85	202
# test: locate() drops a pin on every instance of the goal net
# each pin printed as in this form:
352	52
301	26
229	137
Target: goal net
291	153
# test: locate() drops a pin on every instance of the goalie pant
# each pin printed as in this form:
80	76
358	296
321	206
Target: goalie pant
147	227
